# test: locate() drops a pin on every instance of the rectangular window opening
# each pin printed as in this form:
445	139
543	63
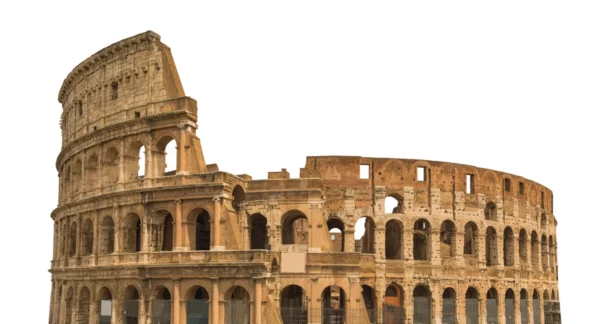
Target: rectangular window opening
507	185
364	171
80	108
470	183
421	174
114	90
542	200
137	114
521	188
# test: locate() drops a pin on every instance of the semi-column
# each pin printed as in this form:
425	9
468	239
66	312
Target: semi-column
214	301
176	300
178	226
181	154
257	300
217	224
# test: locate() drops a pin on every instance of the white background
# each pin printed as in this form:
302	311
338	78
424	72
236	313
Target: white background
508	85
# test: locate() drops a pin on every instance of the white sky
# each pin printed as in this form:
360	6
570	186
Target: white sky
512	86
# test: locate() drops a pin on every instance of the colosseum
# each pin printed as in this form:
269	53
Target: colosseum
352	240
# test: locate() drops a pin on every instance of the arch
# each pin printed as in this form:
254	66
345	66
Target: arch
394	204
69	306
394	240
509	247
87	237
491	211
68	184
544	221
421	240
535	250
523	306
166	155
551	255
333	305
447	239
77	171
536	307
107	236
259	240
422	305
161	305
135	161
168	234
237	305
492	306
370	302
110	166
470	240
393	305
449	306
105	309
544	252
199	231
293	305
274	266
523	246
364	233
83	306
472	306
239	197
92	180
197	310
294	226
491	247
131	305
509	306
64	251
73	239
336	233
133	233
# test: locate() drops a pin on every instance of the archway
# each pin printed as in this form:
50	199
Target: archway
544	252
447	239
197	311
535	250
536	307
239	197
523	307
105	298
87	237
259	240
135	161
393	240
509	306
73	240
449	306
107	236
161	306
92	180
237	306
472	306
470	240
393	305
333	305
77	170
490	211
491	247
167	234
421	240
110	166
336	233
394	204
523	246
293	305
294	228
199	231
131	305
509	247
492	306
370	302
133	233
422	305
69	306
364	233
83	308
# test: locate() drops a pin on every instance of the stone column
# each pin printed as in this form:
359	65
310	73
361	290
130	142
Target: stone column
501	306
176	300
481	249
78	238
96	240
122	162
181	151
529	263
178	226
257	300
349	240
516	254
408	244
217	224
500	250
435	247
436	298
410	310
214	301
517	307
94	308
530	305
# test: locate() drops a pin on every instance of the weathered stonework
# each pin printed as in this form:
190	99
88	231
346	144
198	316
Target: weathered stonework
195	245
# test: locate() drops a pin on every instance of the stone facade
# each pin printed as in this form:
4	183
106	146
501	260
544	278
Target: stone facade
442	243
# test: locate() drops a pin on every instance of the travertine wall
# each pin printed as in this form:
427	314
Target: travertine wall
127	238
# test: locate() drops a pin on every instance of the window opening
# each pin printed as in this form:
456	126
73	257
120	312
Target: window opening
507	185
421	174
470	183
364	171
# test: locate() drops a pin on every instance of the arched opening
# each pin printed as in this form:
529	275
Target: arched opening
449	306
544	252
83	308
333	305
200	231
491	212
393	240
293	305
509	306
133	233
491	247
168	237
551	255
422	305
131	306
237	306
92	180
447	239
68	183
239	197
105	298
509	247
394	204
364	235
370	302
295	228
135	161
73	239
421	241
259	240
69	306
197	305
472	306
77	170
107	236
166	155
111	166
393	305
64	248
336	233
523	246
274	266
161	306
535	250
492	306
536	307
87	237
544	221
470	239
523	307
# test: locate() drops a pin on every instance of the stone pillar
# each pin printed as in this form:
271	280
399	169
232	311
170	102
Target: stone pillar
530	305
117	234
435	247
481	250
176	300
516	254
214	302
217	224
257	300
436	298
501	307
500	250
122	162
96	240
94	308
178	226
78	238
349	240
529	263
145	239
410	310
517	307
408	244
461	307
181	151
